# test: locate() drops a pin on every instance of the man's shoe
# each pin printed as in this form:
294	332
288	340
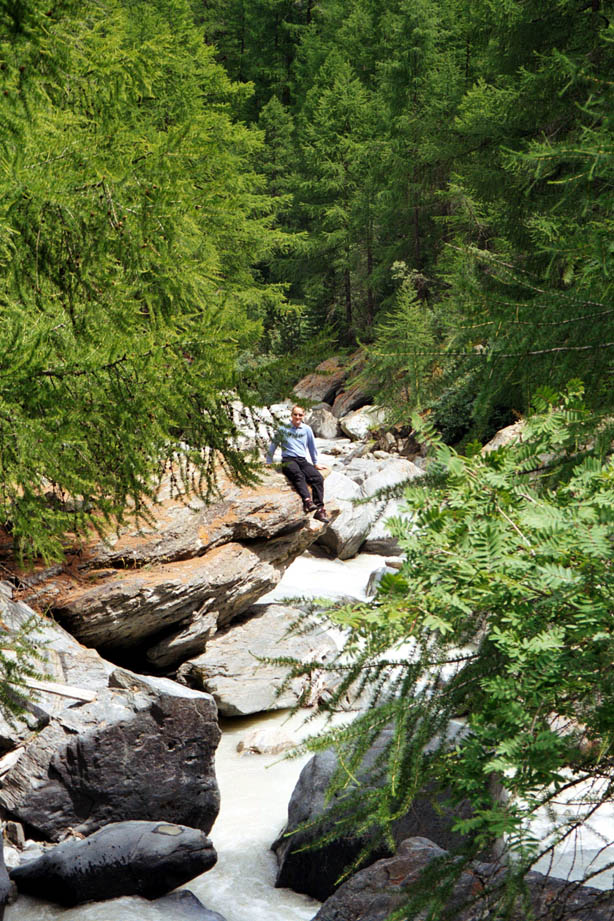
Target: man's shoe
321	515
308	505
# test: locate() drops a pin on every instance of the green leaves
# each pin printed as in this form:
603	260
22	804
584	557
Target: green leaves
501	616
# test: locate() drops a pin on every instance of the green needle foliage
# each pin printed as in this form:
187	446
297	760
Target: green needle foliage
130	218
501	615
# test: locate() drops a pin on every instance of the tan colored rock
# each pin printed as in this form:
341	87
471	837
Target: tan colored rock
505	436
347	400
323	383
188	570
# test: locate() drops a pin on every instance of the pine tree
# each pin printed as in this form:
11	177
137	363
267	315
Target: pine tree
130	218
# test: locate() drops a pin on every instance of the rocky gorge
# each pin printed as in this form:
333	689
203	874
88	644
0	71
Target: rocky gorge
152	639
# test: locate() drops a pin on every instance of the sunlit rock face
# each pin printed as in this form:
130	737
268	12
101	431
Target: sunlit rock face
163	586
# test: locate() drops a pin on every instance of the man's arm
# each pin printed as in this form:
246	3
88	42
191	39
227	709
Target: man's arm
311	446
271	451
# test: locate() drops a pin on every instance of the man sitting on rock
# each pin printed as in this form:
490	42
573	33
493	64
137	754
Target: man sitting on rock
295	441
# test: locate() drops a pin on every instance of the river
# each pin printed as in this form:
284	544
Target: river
255	790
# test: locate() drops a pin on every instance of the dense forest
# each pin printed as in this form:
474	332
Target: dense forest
200	198
443	170
203	197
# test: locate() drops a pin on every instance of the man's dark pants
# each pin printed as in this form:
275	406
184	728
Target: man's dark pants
301	473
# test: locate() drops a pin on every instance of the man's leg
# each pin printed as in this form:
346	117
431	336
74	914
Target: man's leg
316	481
293	471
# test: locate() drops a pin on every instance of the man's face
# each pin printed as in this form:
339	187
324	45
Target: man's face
297	416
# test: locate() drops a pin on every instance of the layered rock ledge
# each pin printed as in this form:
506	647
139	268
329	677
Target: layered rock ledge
163	586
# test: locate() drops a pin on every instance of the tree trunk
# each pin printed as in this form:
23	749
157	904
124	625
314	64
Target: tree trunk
347	284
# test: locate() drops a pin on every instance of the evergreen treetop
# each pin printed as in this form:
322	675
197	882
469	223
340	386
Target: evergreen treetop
130	219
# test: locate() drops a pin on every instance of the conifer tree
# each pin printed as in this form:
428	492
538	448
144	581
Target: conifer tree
130	218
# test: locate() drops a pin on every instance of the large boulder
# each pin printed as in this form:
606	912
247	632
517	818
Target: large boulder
374	893
379	539
124	858
359	423
505	436
352	398
346	533
323	383
109	744
322	421
165	584
362	478
231	671
312	868
136	753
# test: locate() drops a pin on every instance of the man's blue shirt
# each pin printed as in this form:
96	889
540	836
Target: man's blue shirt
295	441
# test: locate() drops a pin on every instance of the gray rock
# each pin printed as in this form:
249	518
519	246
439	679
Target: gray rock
124	858
323	423
358	423
314	869
130	754
346	533
184	906
379	539
391	473
6	889
374	893
230	669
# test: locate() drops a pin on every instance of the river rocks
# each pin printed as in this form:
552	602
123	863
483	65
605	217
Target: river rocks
71	668
358	424
6	888
127	755
374	893
230	668
190	570
346	533
266	741
124	858
360	478
322	421
131	748
315	871
184	906
323	384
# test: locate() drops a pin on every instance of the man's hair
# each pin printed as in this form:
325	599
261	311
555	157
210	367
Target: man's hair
302	408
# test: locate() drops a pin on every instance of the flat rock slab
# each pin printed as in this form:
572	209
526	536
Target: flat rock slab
124	858
231	671
177	579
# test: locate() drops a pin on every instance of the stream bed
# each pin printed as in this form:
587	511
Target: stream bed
255	790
